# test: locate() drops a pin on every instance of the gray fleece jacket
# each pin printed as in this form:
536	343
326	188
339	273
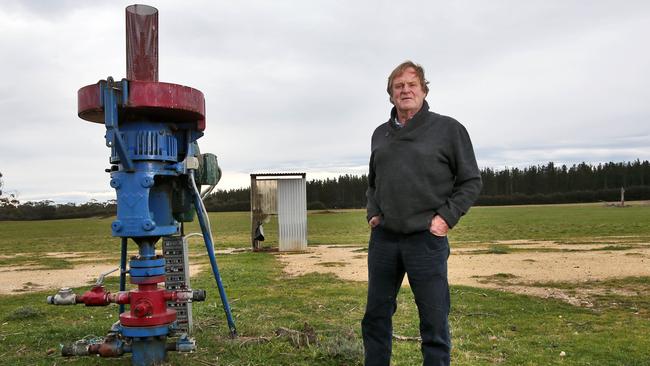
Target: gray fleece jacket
422	169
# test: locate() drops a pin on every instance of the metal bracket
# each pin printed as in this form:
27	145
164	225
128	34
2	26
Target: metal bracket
111	95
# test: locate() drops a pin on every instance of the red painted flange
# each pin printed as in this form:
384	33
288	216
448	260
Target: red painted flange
148	308
148	99
128	320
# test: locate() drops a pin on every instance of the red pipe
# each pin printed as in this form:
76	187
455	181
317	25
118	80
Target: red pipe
98	296
141	43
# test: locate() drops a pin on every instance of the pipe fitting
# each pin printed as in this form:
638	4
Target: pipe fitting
199	295
75	349
186	295
185	344
110	348
65	296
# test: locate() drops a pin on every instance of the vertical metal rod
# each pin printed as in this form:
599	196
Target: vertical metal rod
207	238
111	120
254	216
123	270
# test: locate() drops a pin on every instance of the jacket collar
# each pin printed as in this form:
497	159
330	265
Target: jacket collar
414	122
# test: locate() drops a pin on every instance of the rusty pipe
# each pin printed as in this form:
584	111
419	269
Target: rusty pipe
110	347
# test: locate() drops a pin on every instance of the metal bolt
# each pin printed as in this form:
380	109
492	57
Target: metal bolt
115	183
148	225
117	225
147	182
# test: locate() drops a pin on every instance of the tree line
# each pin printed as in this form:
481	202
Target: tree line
549	183
538	184
48	210
549	178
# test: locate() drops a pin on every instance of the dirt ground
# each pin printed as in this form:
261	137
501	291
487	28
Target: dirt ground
526	263
28	278
529	263
16	280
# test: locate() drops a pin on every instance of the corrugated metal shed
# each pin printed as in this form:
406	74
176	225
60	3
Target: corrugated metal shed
292	214
284	194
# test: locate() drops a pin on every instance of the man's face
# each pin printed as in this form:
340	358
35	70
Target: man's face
406	91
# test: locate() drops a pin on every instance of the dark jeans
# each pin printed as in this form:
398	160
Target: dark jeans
423	257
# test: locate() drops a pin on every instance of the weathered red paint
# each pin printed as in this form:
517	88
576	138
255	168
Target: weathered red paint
147	98
141	43
98	296
89	107
176	103
148	304
164	102
109	348
148	308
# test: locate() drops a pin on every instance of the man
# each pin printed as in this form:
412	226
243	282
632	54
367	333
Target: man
423	178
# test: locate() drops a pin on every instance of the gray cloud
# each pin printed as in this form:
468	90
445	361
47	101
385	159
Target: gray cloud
294	85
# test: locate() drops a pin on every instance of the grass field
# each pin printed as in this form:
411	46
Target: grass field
488	327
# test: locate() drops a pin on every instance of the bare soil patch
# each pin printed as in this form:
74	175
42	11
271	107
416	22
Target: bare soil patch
518	271
68	255
21	279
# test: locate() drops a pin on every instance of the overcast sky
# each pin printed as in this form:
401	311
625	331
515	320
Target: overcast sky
300	85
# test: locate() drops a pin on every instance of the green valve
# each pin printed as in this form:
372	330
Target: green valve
209	172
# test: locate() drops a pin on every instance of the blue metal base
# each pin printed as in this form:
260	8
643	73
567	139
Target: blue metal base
148	352
142	332
147	267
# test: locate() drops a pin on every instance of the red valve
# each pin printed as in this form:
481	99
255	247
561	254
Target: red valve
148	306
97	296
142	309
